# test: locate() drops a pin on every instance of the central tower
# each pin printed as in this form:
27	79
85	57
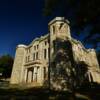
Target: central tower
59	30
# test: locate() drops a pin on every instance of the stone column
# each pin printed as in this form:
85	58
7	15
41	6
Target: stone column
38	74
25	75
31	76
34	74
41	72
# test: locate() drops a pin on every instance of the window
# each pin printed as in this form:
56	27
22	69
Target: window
45	42
54	45
37	46
53	27
34	47
44	71
29	50
36	55
45	53
48	41
33	56
28	59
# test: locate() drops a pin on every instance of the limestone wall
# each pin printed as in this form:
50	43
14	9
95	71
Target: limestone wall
86	55
17	71
37	56
93	58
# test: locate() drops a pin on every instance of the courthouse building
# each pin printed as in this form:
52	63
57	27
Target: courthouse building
54	57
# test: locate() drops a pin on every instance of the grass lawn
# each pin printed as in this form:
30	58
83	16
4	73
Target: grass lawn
40	93
43	94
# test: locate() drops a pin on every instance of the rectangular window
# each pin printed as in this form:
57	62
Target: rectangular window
29	50
28	59
54	45
33	56
36	55
48	41
34	47
45	42
45	53
53	27
37	46
44	71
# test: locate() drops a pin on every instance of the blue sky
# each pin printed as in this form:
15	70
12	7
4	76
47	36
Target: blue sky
20	22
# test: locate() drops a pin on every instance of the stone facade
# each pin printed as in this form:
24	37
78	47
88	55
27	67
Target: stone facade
55	56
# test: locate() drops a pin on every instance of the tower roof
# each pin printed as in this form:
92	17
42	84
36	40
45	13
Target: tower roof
58	19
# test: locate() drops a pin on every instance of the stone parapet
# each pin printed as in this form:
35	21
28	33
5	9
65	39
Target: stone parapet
58	19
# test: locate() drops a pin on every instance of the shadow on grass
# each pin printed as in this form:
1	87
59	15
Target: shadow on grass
46	94
33	94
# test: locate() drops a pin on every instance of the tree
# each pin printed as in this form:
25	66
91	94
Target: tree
65	72
6	63
81	14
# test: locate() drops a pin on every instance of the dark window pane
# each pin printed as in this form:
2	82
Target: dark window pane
37	55
45	53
